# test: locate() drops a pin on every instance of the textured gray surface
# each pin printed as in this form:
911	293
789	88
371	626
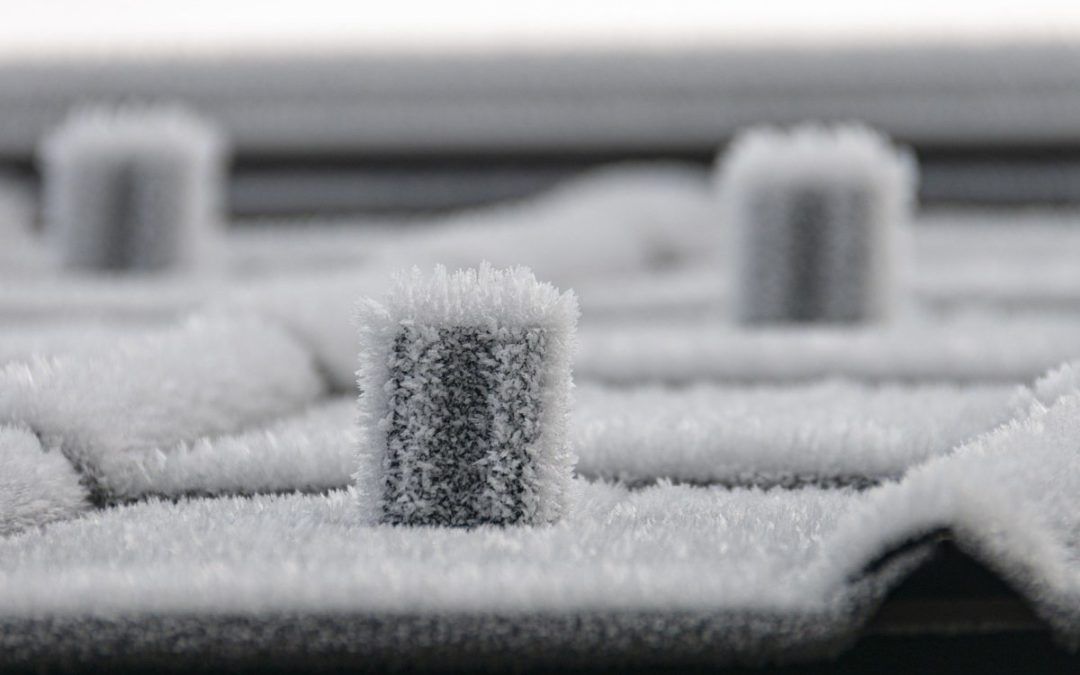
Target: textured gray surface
707	574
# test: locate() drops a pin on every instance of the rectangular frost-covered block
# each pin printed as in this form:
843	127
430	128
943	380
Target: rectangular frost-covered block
815	216
465	410
465	384
134	188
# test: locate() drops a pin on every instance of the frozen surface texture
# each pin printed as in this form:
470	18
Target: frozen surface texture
837	432
181	455
780	565
465	393
961	349
114	410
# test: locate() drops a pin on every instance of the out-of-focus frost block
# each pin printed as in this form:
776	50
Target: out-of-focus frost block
134	188
816	216
465	387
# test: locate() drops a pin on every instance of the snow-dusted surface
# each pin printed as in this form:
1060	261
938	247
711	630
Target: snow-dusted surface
830	432
1010	497
147	393
310	451
36	487
28	340
509	462
636	345
976	348
134	187
155	391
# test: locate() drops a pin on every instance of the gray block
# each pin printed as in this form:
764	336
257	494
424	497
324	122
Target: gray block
465	394
816	219
134	189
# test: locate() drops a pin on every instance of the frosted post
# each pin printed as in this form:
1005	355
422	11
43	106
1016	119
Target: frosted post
465	386
815	216
134	188
21	252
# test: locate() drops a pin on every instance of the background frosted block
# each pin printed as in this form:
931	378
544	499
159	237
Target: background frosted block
814	217
134	189
1010	498
465	382
22	253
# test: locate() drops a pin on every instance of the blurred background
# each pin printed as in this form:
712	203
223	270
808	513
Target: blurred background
345	107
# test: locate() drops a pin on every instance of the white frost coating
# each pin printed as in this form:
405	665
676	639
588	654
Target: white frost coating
990	348
36	487
818	433
1058	382
136	187
24	343
211	375
316	309
610	221
621	220
831	432
815	216
309	452
1012	496
664	546
487	299
312	451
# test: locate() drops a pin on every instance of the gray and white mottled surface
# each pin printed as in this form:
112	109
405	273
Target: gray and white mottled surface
180	453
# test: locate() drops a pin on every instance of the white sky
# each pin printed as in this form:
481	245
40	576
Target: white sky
65	27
